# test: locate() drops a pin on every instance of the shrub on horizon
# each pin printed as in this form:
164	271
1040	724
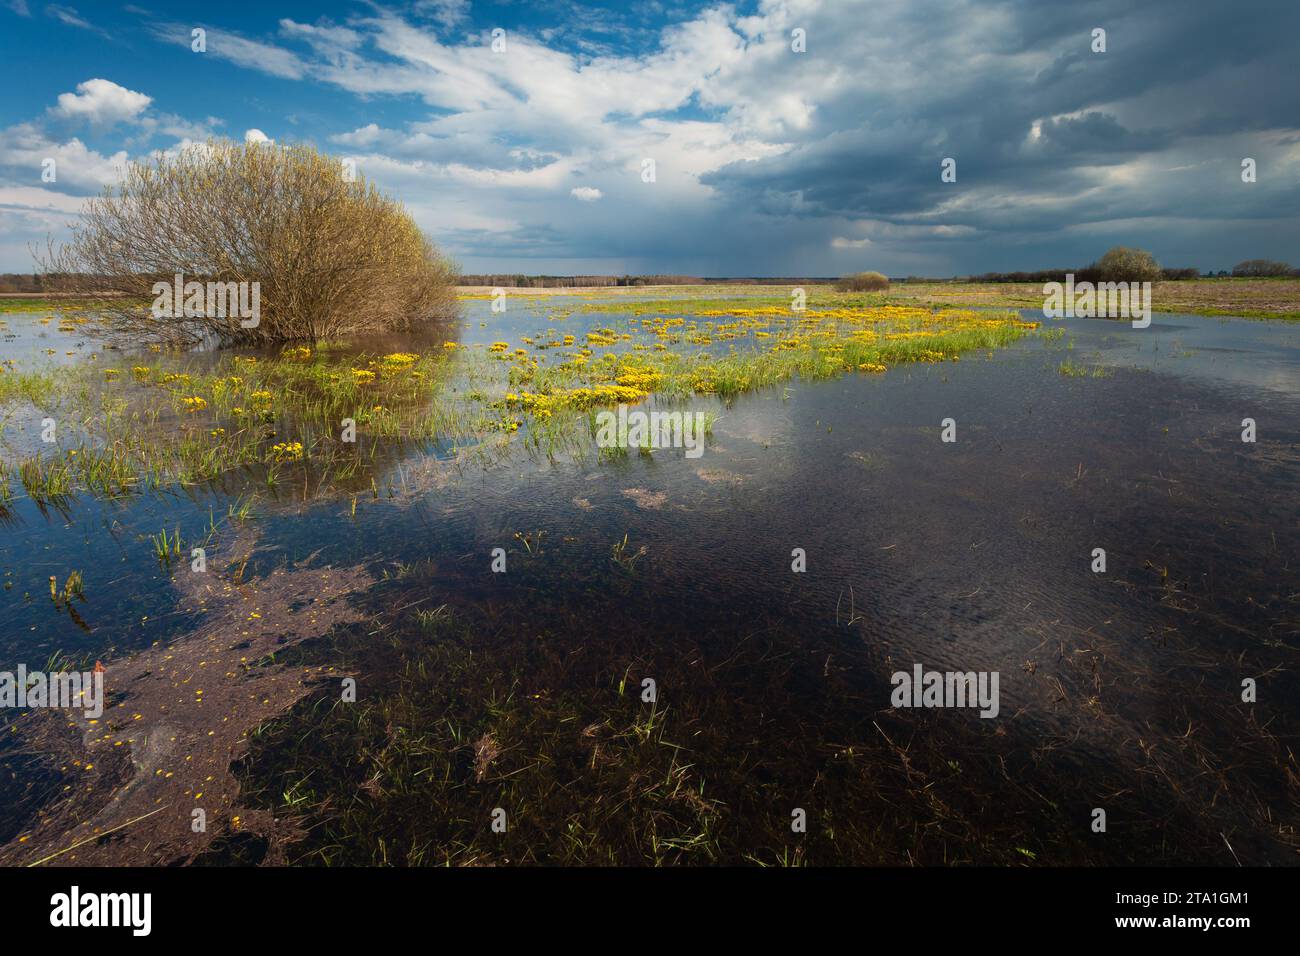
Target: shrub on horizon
1122	264
862	282
330	255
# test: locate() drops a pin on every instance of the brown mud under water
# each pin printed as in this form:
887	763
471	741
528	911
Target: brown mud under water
175	718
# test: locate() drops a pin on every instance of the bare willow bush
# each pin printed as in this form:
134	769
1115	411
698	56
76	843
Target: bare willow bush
325	257
1123	264
863	282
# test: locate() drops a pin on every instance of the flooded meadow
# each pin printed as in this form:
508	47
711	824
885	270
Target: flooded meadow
393	601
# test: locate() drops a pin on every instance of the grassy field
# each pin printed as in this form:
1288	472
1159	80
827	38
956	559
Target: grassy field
1248	298
10	302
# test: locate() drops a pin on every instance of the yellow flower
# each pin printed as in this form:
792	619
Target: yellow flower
223	385
287	451
195	403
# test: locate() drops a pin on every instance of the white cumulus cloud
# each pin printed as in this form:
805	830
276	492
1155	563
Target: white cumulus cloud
102	101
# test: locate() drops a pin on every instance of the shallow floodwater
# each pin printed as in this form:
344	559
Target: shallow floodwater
974	555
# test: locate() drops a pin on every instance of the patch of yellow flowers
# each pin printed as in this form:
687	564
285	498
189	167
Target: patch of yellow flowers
287	451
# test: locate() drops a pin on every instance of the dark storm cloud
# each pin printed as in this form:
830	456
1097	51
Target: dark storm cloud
1014	93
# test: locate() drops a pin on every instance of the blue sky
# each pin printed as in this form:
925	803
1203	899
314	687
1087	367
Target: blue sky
767	161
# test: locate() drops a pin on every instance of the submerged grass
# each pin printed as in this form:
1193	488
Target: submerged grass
188	420
36	387
630	755
1075	370
46	480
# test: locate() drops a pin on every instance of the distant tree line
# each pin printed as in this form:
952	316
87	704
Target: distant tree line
772	280
38	283
1085	274
1131	264
46	283
1263	268
521	281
